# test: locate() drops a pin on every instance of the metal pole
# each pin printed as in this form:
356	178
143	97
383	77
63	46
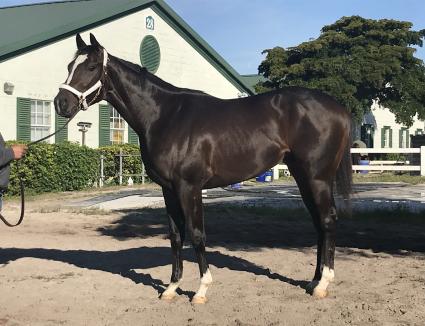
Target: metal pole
102	176
120	173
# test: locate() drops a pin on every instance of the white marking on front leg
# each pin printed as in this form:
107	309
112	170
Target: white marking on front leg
170	291
206	280
328	276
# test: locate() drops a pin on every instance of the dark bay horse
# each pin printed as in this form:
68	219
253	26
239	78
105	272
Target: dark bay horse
191	141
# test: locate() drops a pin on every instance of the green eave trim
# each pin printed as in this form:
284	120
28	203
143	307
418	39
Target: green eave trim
114	12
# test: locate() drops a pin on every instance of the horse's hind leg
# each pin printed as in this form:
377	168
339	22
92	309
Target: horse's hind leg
318	198
191	202
177	234
325	204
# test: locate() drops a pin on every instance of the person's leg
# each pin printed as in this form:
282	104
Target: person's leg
1	199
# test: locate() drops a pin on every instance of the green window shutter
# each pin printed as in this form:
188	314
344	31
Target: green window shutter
391	138
133	138
382	137
400	138
408	138
150	54
104	125
61	136
23	119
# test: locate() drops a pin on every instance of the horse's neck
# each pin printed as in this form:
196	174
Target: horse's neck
135	96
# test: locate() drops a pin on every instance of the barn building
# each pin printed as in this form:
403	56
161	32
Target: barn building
38	42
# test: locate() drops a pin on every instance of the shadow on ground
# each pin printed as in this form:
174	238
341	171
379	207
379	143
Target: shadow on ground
125	262
395	232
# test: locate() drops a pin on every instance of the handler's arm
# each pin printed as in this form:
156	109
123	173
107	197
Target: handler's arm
6	155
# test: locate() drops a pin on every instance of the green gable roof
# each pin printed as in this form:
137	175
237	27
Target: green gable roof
25	28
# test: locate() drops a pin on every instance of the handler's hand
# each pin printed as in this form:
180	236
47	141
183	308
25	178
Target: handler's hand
19	151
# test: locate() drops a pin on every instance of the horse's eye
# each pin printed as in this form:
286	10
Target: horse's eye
92	68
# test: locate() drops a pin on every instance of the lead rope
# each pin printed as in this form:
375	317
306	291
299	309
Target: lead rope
81	106
21	181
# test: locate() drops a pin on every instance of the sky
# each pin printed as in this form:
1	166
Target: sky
239	30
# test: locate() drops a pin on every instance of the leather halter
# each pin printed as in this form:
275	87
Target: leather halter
82	96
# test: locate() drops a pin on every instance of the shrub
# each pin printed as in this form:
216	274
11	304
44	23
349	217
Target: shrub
132	164
55	167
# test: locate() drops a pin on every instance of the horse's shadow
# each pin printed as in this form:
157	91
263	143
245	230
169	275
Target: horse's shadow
125	262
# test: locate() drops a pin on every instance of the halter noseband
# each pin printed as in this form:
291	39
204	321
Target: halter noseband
82	96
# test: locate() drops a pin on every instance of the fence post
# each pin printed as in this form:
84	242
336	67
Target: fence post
422	160
120	172
143	173
102	176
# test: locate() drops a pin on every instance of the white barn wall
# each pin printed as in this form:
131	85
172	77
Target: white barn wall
37	74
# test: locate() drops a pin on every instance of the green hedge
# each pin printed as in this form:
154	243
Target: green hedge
52	167
69	166
131	164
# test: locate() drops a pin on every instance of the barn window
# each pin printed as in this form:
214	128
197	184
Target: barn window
386	137
150	54
40	119
404	138
117	127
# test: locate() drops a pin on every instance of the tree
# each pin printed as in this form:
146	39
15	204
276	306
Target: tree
357	61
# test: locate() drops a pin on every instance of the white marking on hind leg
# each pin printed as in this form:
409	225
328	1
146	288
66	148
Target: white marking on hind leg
170	291
200	296
328	276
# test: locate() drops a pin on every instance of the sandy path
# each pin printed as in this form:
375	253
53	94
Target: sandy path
107	269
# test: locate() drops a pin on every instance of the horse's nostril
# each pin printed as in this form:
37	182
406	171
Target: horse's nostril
63	103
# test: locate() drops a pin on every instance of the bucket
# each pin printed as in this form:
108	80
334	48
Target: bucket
261	177
269	176
364	162
265	177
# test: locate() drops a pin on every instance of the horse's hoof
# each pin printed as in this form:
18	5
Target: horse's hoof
320	293
199	300
167	296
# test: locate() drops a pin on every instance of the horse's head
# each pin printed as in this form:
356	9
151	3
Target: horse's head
85	83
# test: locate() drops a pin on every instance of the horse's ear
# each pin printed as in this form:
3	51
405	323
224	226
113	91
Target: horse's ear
93	41
80	42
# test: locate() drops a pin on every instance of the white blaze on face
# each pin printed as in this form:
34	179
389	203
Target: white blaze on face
79	60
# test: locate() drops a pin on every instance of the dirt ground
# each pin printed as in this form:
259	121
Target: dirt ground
74	267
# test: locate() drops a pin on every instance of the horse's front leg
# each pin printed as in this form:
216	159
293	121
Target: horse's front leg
177	234
191	202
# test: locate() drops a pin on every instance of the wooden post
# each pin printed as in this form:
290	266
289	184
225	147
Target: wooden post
102	175
120	172
422	160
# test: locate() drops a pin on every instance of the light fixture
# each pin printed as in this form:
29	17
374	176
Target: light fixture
8	88
84	127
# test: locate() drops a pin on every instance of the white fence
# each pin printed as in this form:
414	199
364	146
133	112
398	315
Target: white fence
373	165
379	165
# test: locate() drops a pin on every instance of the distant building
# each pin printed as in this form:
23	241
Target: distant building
38	42
379	129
